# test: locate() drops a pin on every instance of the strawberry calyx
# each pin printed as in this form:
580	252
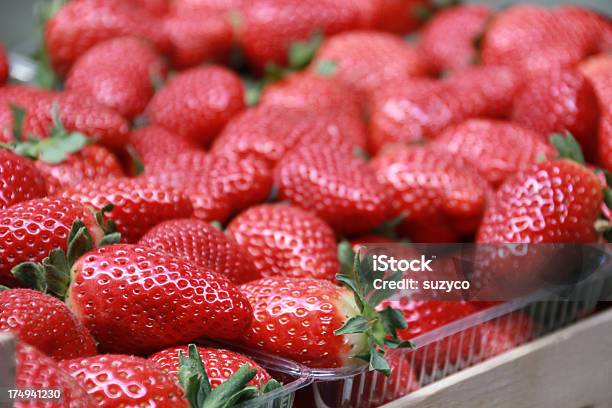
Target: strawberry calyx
45	76
199	393
52	275
379	326
54	149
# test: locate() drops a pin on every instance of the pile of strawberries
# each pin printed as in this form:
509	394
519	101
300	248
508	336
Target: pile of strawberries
192	165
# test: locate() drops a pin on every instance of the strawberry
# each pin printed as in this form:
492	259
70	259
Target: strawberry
441	196
397	16
19	180
75	113
424	316
269	132
504	333
153	143
202	244
197	103
123	84
220	364
560	101
365	60
44	322
286	241
4	65
29	231
598	70
498	149
127	381
336	185
80	25
198	35
554	201
403	379
448	39
91	163
264	42
37	371
138	205
155	7
223	186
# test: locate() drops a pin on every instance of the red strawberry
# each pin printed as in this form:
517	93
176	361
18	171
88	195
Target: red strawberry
587	26
505	333
427	315
135	299
442	197
554	201
19	180
91	163
336	185
202	244
198	35
44	322
30	230
221	186
197	103
153	144
123	84
598	70
286	241
37	371
448	39
114	380
220	364
138	205
365	60
265	42
4	65
498	149
560	101
397	16
269	132
77	113
80	25
155	7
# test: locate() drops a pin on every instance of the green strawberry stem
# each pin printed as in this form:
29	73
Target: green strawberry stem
52	275
45	76
195	383
54	149
380	327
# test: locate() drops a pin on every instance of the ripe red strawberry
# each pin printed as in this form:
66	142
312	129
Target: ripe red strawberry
135	299
44	322
365	60
397	16
598	70
265	42
424	316
286	241
442	197
80	25
77	113
30	230
108	75
448	39
127	381
219	364
4	65
554	201
504	333
138	205
197	103
19	180
588	27
414	110
560	101
202	244
217	186
91	163
198	35
498	149
153	143
269	132
37	371
334	184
